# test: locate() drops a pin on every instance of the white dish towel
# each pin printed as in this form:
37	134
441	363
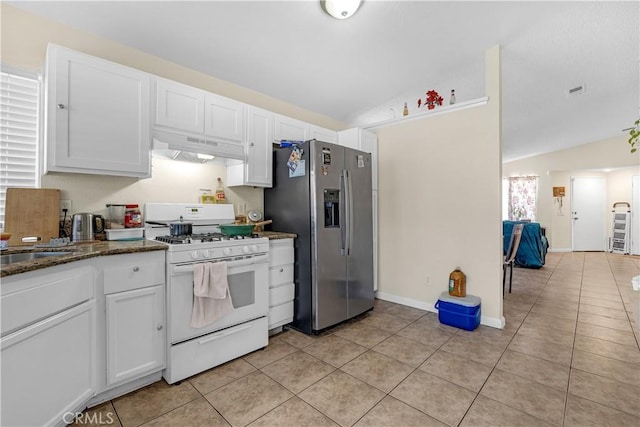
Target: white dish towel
211	296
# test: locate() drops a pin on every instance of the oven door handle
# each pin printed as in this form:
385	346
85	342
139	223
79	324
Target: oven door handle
224	334
188	268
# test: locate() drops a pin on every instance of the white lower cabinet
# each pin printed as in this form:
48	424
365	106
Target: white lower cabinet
281	286
135	333
48	358
135	316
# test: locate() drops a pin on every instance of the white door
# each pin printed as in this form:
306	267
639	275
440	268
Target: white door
588	206
635	215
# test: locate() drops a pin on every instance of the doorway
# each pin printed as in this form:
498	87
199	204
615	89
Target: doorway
588	206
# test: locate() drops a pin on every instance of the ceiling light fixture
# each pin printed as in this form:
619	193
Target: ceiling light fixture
341	9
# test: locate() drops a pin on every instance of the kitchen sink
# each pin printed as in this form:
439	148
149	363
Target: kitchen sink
27	256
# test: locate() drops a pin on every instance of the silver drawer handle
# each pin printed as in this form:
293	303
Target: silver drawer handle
136	269
60	106
159	327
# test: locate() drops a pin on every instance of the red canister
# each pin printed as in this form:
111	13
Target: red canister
132	216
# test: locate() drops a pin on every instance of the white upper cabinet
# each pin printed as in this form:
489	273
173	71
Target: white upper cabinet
224	118
322	134
363	140
257	170
259	148
179	106
288	129
97	116
183	108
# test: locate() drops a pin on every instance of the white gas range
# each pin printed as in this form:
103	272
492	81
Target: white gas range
193	350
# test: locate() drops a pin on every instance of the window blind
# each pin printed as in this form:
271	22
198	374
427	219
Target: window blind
19	107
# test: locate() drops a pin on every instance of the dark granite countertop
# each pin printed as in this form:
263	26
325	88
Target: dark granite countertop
272	235
90	250
78	252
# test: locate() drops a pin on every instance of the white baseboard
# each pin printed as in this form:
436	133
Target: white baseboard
560	250
410	302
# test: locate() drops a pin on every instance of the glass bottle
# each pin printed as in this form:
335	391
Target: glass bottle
405	110
452	98
220	196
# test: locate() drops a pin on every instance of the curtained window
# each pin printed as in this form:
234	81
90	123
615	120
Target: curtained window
521	197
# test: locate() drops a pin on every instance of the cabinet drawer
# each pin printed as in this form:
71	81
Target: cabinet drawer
42	293
280	315
281	252
281	294
280	274
134	271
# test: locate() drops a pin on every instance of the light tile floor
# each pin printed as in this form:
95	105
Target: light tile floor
568	356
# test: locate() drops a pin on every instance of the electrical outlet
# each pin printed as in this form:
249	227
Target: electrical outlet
65	204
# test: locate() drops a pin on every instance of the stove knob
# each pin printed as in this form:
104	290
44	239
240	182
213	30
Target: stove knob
245	249
206	253
226	251
254	248
195	254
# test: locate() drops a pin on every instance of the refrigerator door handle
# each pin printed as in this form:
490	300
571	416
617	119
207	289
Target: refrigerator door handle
343	214
349	210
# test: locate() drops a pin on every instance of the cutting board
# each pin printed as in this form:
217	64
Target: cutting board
32	212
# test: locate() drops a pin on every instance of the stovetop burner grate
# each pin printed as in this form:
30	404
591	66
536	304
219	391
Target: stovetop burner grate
201	238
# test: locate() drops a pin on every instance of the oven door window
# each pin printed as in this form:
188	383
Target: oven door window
242	288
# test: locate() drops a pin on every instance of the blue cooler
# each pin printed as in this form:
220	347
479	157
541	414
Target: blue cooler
461	312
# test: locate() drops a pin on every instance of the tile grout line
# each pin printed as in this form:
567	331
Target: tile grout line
573	346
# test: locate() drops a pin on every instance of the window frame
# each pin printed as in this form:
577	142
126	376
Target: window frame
39	151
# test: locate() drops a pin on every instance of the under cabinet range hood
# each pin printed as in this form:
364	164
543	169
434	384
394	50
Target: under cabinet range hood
192	148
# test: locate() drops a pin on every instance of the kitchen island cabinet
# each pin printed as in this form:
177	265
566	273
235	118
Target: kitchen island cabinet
48	344
96	115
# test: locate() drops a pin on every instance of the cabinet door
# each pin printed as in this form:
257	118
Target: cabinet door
322	134
179	106
135	333
224	118
259	164
97	115
48	368
286	128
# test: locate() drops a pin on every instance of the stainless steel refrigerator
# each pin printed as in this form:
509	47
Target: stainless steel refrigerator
322	192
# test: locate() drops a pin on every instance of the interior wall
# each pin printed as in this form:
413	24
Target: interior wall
171	181
556	170
440	203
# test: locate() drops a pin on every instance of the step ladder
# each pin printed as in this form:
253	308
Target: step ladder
621	228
